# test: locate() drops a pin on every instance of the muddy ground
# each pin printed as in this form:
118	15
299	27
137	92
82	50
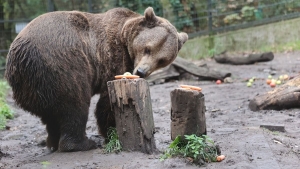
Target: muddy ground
230	124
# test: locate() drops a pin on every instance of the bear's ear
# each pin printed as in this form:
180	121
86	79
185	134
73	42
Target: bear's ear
182	38
150	16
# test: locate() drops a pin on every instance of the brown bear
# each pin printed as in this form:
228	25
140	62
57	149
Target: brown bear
61	59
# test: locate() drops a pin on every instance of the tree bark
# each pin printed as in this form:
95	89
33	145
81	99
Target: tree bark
282	97
131	102
242	60
187	113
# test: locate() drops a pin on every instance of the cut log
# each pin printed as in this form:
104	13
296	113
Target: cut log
282	97
243	60
182	67
163	74
203	72
131	103
187	113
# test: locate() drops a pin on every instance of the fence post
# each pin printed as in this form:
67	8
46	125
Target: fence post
90	6
209	16
211	44
50	6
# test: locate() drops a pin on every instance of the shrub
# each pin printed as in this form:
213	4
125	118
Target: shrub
5	111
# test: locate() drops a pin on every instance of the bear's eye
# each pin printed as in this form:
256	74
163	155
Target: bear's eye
147	51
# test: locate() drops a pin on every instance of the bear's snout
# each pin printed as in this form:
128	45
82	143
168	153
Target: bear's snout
140	72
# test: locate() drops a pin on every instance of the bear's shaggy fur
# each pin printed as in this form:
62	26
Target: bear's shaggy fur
61	59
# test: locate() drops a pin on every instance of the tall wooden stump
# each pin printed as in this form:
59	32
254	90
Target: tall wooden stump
131	103
187	113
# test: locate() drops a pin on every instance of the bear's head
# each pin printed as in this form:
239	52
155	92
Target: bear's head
152	42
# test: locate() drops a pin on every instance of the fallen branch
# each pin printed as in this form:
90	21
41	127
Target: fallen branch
242	60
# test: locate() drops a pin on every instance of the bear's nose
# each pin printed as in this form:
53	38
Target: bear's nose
140	72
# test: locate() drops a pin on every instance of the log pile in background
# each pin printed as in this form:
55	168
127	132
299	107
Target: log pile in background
282	97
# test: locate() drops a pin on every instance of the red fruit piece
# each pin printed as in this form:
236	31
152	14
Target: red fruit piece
272	84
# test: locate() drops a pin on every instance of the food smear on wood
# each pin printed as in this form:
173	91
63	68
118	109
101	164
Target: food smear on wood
188	87
127	75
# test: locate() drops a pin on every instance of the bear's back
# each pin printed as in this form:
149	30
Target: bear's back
55	29
46	60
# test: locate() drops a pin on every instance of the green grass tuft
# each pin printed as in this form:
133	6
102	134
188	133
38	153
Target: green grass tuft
291	46
114	145
45	164
2	121
5	111
3	89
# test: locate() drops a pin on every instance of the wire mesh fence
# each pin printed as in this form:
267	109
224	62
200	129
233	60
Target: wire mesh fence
196	17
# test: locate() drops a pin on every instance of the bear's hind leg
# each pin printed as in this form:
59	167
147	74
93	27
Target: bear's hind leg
105	117
53	130
72	131
53	136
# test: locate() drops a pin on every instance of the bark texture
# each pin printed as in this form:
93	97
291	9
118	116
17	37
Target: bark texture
131	102
187	113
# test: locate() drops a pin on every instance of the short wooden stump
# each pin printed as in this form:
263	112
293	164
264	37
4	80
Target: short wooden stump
187	113
131	102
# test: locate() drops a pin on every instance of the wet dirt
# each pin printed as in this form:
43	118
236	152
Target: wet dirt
229	122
